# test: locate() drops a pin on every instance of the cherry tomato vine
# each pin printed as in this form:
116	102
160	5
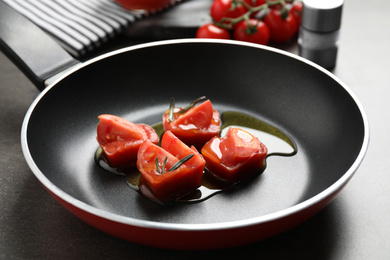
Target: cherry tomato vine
258	21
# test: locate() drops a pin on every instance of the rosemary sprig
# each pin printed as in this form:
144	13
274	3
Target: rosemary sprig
192	104
185	109
161	171
180	162
176	166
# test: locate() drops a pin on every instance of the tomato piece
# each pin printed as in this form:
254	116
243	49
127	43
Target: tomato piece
226	8
212	31
281	28
120	140
236	156
162	184
255	31
196	126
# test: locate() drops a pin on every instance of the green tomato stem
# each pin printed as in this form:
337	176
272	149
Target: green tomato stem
228	23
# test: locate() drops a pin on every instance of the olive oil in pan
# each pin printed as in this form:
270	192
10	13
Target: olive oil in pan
276	141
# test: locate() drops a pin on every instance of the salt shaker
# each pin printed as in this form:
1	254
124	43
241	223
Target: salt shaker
319	33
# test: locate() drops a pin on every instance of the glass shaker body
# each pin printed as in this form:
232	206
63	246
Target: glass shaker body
320	31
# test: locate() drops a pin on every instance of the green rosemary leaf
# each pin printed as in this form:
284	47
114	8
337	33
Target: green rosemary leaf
163	166
180	162
158	166
162	169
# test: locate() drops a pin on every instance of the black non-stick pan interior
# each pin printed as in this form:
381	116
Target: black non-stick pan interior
308	105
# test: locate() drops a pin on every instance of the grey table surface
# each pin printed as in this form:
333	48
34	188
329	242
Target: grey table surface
355	225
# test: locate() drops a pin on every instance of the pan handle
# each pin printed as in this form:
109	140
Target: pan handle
33	51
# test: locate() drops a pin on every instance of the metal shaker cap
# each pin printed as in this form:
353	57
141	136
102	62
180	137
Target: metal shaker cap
322	15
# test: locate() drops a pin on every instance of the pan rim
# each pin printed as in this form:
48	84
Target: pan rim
204	226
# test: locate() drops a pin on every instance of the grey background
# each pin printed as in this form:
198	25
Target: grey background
354	226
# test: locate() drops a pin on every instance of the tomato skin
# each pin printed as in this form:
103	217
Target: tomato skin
236	156
281	30
170	184
224	8
255	32
196	126
212	31
120	140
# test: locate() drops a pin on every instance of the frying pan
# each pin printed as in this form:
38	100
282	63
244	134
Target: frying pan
307	103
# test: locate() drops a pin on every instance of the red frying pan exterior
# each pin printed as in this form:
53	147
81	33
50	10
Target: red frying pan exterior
198	237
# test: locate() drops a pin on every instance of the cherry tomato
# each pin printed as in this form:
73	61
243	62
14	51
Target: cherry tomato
212	31
196	125
226	8
159	182
256	32
120	140
236	156
296	11
281	29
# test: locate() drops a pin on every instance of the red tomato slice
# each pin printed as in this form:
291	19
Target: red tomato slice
200	116
195	126
120	139
236	156
168	185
